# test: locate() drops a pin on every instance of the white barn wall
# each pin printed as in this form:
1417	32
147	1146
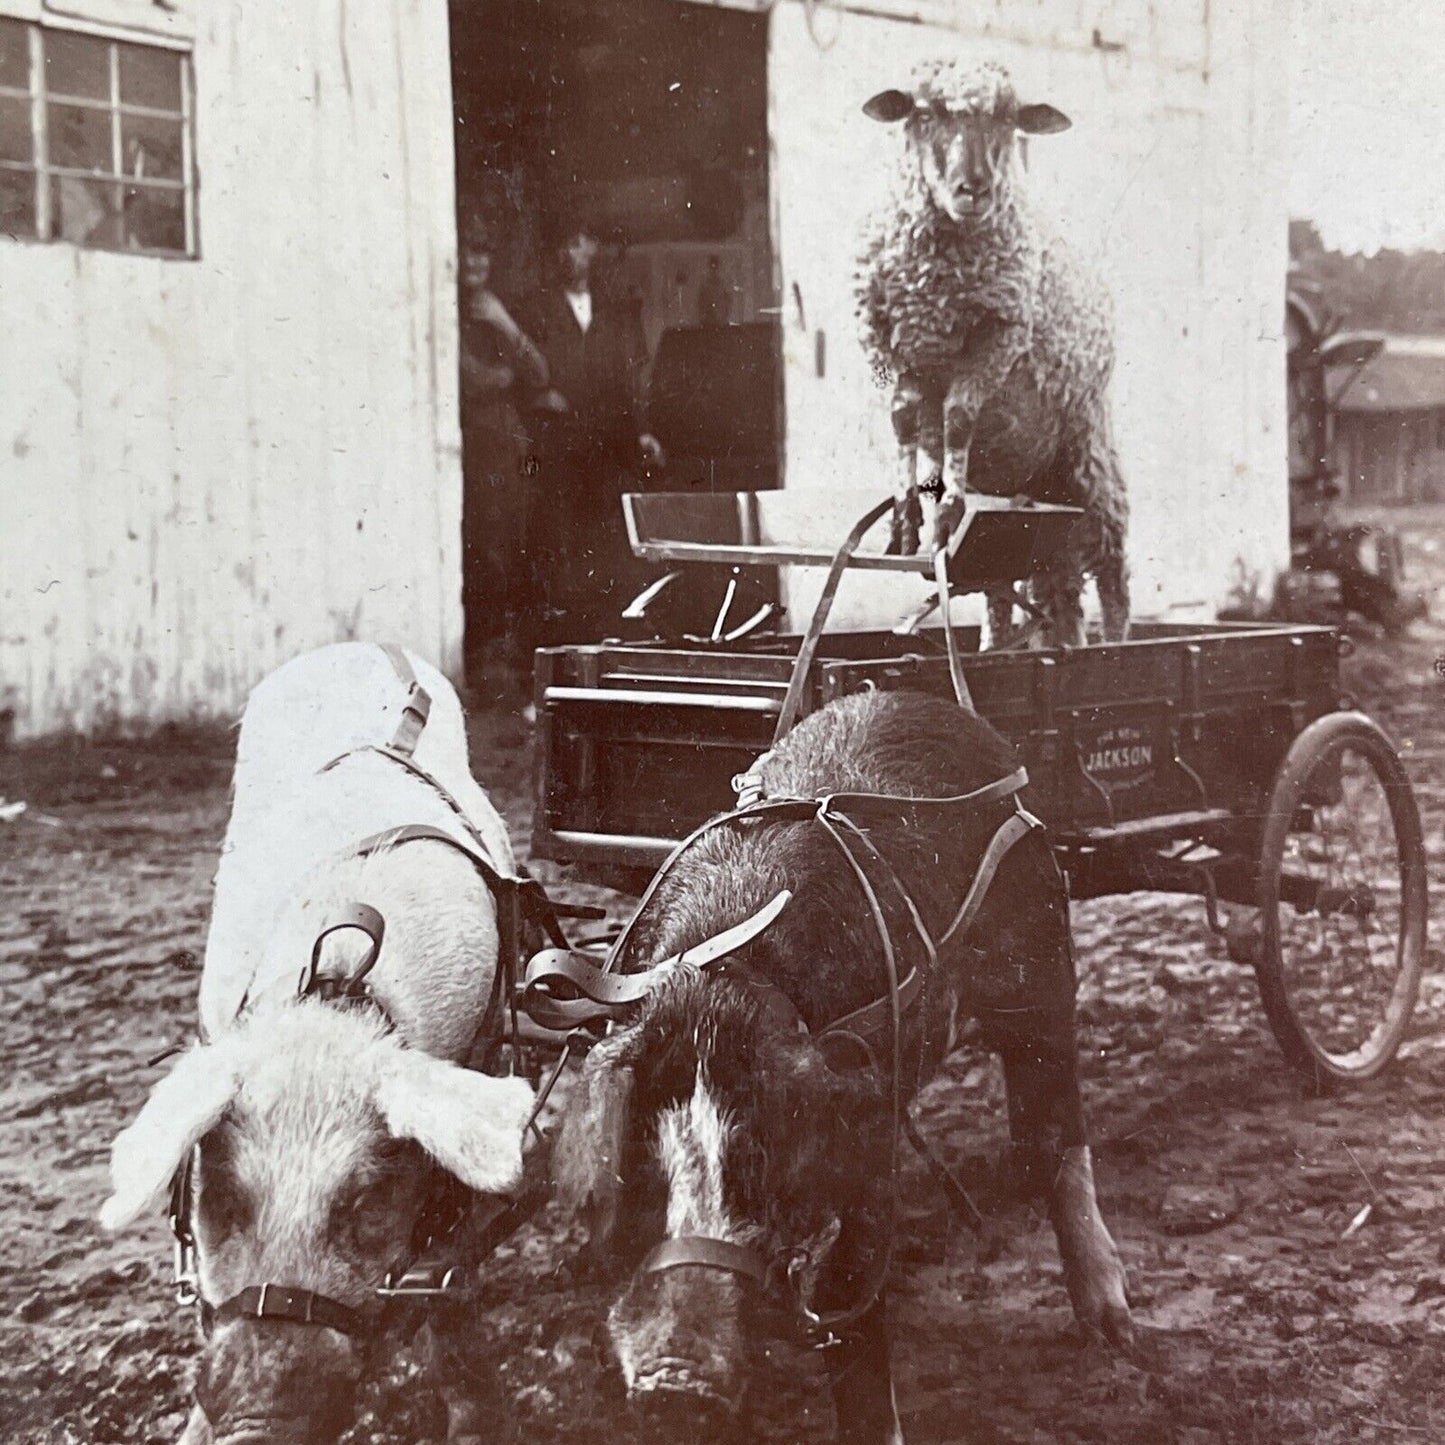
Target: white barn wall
211	465
1171	179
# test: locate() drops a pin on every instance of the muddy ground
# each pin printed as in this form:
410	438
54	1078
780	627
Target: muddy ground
1229	1187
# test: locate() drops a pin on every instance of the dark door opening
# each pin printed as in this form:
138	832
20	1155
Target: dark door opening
648	119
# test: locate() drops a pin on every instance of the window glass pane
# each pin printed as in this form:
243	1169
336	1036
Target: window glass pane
155	218
76	64
150	149
150	77
17	203
80	137
14	54
86	212
16	143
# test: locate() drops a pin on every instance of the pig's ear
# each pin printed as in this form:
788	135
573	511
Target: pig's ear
587	1160
182	1109
470	1123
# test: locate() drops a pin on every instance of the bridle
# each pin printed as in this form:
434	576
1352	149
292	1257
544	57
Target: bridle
519	899
409	1280
601	996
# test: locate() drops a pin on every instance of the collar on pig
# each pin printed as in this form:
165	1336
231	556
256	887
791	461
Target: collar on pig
261	1302
842	816
413	1280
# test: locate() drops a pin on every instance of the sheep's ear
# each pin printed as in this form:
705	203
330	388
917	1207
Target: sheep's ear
182	1109
1042	120
587	1161
889	105
470	1123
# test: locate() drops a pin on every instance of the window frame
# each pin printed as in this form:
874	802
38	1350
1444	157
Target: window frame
44	172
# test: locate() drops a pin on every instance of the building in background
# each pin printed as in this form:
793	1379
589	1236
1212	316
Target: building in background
244	441
1389	431
228	421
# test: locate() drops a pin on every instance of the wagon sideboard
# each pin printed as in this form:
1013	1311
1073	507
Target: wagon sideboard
1173	733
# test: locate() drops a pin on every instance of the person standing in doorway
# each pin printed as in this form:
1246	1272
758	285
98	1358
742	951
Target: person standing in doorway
499	362
592	442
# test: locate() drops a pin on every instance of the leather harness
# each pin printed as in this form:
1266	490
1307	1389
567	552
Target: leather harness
518	898
601	995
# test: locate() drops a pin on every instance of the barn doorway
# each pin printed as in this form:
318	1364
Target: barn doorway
648	119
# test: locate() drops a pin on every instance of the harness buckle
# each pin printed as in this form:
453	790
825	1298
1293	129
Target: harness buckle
414	714
421	1282
187	1282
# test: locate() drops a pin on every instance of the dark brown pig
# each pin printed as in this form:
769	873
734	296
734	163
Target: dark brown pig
716	1117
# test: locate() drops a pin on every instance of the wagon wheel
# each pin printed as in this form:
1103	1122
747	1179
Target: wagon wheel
1342	901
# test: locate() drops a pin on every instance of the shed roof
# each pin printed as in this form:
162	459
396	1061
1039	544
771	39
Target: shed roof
1408	375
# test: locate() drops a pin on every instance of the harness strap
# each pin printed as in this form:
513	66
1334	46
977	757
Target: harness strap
351	915
872	1016
603	993
994	792
945	609
406	761
283	1302
581	973
1016	826
793	701
536	906
749	787
416	709
802	665
781	809
370	921
700	1249
825	1324
517	898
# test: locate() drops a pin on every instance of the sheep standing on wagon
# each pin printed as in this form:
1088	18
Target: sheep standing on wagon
998	343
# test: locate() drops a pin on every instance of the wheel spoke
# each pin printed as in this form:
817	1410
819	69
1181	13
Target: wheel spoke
1340	976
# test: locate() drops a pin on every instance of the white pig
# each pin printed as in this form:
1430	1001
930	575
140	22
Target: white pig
322	1131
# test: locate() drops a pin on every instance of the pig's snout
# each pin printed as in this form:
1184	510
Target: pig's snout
686	1410
667	1380
679	1340
269	1383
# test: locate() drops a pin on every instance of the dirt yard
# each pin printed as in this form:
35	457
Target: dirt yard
1230	1190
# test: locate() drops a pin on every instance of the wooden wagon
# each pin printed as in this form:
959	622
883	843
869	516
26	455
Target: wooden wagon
1221	761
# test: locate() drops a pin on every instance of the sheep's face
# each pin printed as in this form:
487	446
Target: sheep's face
962	132
962	159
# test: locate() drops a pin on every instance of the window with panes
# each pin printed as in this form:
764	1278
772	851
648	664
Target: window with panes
95	141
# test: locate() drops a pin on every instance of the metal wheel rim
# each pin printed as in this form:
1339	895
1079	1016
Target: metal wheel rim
1389	939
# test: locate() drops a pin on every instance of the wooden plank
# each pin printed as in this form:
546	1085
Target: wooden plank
639	697
632	850
805	528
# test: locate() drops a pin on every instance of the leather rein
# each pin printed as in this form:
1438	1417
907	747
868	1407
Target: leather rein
519	899
601	995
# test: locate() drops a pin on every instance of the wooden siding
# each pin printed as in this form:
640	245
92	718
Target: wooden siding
210	465
1172	33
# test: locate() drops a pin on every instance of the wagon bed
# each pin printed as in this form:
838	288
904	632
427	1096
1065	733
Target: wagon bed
638	742
1218	760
